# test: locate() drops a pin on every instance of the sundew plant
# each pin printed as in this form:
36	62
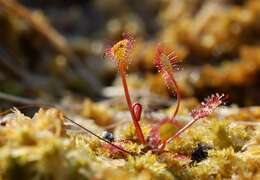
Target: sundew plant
167	64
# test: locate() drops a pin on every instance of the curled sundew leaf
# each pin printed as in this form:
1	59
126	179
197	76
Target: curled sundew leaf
208	106
120	51
167	63
137	110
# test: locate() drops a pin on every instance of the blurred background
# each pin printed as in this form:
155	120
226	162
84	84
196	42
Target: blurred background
51	49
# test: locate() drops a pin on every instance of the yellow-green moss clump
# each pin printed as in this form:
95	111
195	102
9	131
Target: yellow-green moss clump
41	147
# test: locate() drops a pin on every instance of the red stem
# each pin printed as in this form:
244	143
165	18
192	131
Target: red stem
139	132
182	129
178	99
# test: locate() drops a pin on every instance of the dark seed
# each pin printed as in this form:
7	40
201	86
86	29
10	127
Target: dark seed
200	153
108	136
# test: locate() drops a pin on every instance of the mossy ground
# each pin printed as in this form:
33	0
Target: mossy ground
47	147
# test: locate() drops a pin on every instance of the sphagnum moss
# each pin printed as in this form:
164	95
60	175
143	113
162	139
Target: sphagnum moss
29	145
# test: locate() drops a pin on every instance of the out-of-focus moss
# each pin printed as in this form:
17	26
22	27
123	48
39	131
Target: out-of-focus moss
98	112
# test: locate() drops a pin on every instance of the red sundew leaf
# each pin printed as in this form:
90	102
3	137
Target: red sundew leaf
205	109
208	106
120	51
166	63
165	60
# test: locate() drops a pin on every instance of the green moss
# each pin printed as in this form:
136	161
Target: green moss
219	164
148	162
42	149
228	134
130	134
